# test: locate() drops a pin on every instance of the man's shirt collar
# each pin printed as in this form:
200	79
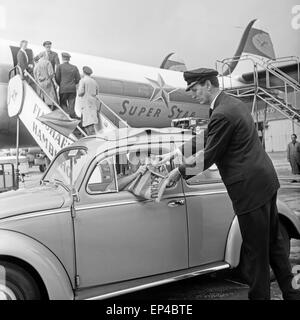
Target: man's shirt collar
212	106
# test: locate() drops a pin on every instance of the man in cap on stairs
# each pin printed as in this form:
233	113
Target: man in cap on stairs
67	77
88	102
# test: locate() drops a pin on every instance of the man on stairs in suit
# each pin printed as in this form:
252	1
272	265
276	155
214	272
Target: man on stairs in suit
25	59
67	77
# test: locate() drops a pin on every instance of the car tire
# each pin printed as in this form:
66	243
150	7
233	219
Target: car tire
242	272
18	284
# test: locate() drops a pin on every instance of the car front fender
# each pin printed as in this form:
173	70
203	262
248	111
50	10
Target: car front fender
234	239
45	263
234	244
292	218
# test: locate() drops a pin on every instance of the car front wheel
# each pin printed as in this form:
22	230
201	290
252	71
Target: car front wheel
17	284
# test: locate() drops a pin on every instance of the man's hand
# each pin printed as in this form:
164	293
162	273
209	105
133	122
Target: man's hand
164	159
195	159
141	170
194	164
173	177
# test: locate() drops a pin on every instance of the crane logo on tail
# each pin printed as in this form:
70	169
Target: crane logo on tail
263	43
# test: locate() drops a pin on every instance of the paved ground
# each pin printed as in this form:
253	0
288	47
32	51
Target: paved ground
217	286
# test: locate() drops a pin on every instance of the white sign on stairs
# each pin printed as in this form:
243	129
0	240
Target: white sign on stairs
49	140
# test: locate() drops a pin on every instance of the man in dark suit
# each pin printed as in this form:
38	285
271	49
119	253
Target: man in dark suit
25	58
51	55
67	77
232	143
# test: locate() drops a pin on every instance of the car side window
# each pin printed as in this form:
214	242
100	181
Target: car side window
103	178
210	175
129	164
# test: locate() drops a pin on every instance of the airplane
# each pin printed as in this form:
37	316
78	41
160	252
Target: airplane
141	95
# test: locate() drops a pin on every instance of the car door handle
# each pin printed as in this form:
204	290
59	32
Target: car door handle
176	203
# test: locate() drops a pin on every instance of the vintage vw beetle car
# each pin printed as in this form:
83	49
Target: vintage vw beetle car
76	236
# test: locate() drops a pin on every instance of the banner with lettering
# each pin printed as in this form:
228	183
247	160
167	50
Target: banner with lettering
49	140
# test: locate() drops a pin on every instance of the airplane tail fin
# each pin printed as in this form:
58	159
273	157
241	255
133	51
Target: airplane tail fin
254	41
173	62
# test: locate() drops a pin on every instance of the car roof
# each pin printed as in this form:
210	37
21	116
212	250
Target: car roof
125	134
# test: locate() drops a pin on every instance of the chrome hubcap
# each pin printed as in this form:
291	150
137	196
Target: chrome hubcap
6	293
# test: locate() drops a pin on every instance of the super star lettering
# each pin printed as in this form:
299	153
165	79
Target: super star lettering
143	111
117	310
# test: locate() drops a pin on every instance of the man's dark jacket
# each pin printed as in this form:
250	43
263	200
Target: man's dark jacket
22	59
232	143
67	77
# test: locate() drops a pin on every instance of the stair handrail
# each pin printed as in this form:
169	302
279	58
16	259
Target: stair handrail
222	71
17	70
114	113
258	62
228	61
292	82
278	101
287	59
27	74
285	78
263	64
276	108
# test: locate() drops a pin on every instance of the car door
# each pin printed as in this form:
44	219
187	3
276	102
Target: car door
121	237
210	215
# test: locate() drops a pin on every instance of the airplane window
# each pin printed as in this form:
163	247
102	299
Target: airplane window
111	86
144	91
116	87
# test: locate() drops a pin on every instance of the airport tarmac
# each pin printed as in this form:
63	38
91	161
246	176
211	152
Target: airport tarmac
218	286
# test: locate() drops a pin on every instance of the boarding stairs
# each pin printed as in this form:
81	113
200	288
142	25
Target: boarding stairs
278	91
49	140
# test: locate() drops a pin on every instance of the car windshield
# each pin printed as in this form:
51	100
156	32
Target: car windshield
66	167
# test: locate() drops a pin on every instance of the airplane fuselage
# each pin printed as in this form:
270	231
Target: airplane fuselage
142	96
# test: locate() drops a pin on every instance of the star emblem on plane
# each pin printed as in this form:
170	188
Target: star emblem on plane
161	91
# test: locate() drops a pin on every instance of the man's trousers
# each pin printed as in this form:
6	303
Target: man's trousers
67	102
264	247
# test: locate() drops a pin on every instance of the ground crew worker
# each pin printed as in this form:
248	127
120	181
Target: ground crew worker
293	154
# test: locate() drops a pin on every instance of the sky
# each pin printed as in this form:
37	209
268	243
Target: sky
145	31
